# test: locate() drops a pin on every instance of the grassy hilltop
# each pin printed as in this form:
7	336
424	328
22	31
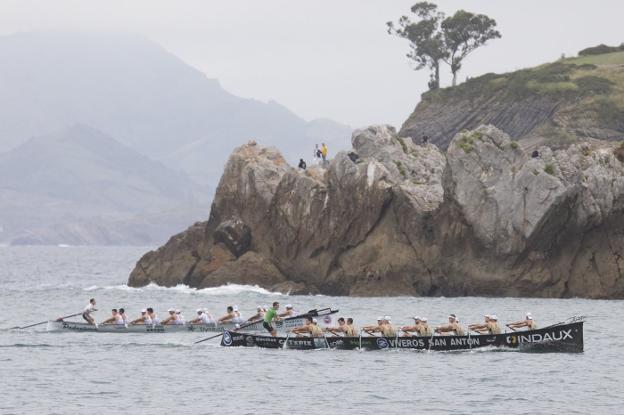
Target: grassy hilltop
556	103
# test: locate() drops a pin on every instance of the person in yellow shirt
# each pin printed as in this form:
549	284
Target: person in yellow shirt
324	151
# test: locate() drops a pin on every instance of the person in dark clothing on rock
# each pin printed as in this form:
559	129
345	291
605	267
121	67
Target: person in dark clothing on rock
302	164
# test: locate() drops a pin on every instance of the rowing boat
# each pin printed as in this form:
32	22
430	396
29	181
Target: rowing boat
281	325
563	338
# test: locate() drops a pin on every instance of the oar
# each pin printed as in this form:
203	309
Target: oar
510	327
43	322
221	334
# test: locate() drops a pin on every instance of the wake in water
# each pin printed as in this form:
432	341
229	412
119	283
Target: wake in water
228	289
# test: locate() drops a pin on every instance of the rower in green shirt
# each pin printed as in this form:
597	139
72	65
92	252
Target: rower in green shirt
269	316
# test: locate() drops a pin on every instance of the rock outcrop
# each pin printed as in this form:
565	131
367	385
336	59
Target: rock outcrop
395	218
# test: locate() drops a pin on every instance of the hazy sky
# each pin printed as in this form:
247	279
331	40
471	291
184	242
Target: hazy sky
325	58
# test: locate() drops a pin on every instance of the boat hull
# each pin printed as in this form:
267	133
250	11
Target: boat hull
563	338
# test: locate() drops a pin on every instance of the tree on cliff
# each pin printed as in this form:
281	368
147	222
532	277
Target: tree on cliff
435	38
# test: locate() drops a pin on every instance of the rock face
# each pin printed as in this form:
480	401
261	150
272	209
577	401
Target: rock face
396	218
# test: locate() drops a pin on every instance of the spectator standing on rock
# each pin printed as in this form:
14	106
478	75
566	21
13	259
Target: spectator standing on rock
302	164
324	151
317	155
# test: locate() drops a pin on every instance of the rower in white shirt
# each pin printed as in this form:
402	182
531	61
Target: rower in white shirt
172	317
86	312
179	317
237	316
202	318
115	318
144	319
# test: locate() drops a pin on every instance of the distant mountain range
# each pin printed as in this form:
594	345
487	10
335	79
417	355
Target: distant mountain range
110	139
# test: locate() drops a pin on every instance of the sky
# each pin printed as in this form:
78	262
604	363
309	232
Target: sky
325	58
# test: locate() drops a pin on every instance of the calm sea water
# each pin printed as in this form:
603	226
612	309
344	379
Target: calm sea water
77	373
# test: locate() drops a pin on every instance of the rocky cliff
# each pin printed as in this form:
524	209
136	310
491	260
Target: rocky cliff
395	218
555	104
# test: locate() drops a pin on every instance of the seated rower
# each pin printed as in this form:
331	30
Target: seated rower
153	316
481	328
202	318
417	328
290	312
179	317
351	330
238	318
114	319
228	316
370	328
123	315
342	327
311	327
171	319
426	330
144	319
260	311
528	322
384	327
453	327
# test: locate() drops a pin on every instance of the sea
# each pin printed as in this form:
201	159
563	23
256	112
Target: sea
45	372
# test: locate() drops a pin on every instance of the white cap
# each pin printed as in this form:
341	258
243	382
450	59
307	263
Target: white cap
177	311
529	316
453	316
493	317
199	310
144	310
259	307
171	310
487	316
379	318
417	318
387	318
235	308
423	319
289	306
314	321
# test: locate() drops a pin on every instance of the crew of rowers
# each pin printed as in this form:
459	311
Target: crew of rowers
420	327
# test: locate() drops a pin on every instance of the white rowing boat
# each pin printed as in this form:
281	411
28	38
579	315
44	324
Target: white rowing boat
282	325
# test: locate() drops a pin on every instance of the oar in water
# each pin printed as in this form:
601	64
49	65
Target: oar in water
286	341
221	334
43	322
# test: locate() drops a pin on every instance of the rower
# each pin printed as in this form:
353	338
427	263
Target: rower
171	319
342	327
311	327
290	312
384	327
351	330
416	328
179	317
528	322
426	330
86	312
258	316
237	316
202	318
144	319
269	316
123	315
153	317
481	328
453	326
228	317
114	319
369	329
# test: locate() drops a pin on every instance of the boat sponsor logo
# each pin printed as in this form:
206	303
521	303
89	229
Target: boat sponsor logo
227	339
249	340
538	337
382	343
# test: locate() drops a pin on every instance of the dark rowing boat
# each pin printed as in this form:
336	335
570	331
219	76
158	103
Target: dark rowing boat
561	338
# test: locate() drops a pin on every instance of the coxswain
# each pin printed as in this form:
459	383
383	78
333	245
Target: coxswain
202	318
114	319
528	322
351	330
342	327
171	319
311	327
417	328
453	326
269	316
86	312
144	319
290	312
258	316
228	316
153	316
